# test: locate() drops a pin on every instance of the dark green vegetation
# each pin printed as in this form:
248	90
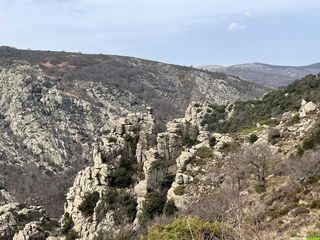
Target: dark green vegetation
179	190
156	204
253	138
313	140
122	175
170	208
212	141
204	152
152	206
89	203
293	120
248	113
122	203
66	229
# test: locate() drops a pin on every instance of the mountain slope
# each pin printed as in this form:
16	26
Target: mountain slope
55	105
266	74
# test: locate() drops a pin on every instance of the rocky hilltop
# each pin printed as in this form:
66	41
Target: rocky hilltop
54	106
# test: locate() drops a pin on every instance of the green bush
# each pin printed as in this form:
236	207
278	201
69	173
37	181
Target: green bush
212	141
89	203
204	152
122	175
260	189
67	224
253	138
272	105
300	151
187	141
129	204
122	203
152	206
71	235
170	208
293	120
308	143
190	228
179	190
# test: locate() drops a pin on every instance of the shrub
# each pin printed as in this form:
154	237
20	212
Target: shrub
129	204
204	152
152	206
308	143
89	203
229	147
253	138
122	175
170	208
315	203
67	224
112	140
190	228
293	120
212	141
122	203
179	190
260	189
71	235
300	151
188	141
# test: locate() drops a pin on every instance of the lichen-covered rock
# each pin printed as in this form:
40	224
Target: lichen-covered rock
15	215
31	231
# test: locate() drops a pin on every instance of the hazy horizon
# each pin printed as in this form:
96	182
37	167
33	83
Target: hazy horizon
185	32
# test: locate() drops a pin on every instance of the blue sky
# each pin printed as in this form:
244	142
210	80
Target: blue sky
187	32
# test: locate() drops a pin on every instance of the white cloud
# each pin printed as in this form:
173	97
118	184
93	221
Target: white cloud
235	26
247	13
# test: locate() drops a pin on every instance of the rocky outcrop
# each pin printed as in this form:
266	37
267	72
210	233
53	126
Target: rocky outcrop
32	219
307	107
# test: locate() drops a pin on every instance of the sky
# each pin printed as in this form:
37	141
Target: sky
185	32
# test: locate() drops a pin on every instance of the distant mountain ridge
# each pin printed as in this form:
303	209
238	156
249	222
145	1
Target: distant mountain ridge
266	74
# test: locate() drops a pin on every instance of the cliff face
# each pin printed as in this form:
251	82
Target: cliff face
181	166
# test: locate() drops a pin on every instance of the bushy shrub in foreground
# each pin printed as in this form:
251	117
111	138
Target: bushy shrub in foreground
190	228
